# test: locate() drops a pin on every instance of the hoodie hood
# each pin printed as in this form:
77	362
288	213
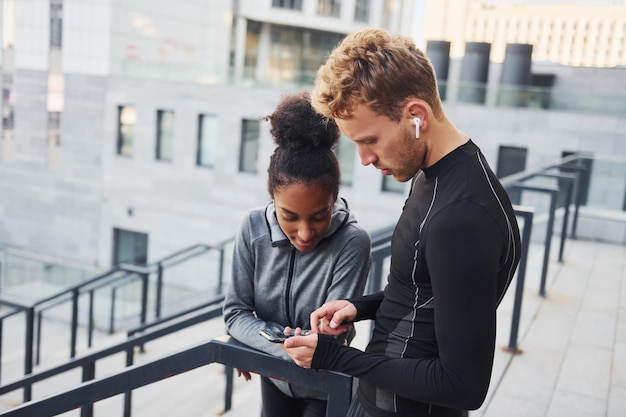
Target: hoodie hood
341	216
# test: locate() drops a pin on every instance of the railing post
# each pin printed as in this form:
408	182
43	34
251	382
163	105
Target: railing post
144	296
527	215
74	322
228	390
568	201
552	191
569	181
220	277
1	334
28	351
159	290
89	373
578	170
128	395
38	337
549	233
112	317
90	324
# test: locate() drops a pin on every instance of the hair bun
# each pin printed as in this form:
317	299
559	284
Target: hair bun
296	125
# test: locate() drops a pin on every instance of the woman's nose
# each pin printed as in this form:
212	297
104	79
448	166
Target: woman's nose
305	232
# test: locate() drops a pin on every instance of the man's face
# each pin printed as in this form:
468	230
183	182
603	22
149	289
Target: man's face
389	146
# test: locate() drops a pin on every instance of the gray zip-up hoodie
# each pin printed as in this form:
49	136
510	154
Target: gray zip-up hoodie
274	285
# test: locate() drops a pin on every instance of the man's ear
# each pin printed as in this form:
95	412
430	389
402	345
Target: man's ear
417	114
416	108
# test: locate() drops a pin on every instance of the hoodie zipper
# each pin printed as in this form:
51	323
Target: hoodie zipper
288	289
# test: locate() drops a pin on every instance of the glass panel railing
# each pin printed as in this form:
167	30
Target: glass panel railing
31	278
192	281
605	102
607	184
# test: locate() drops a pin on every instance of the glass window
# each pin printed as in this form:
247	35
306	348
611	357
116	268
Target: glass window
126	119
165	135
287	4
207	140
388	11
130	247
345	151
391	185
511	160
54	128
295	54
56	23
329	8
362	11
249	151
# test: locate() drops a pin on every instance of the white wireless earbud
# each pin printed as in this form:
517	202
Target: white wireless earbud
416	120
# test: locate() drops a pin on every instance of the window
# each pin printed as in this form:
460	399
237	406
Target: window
8	35
165	135
249	152
126	118
207	140
56	23
287	4
388	12
511	160
391	185
54	128
345	151
295	54
329	8
130	247
362	11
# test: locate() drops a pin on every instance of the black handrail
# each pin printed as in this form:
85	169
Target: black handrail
338	386
88	361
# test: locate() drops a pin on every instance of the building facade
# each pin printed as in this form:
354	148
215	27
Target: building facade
573	34
133	129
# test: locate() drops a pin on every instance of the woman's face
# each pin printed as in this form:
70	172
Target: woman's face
303	212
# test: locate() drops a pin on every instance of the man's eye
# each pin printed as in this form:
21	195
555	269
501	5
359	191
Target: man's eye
290	219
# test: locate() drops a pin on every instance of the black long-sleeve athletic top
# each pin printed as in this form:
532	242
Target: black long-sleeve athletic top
454	252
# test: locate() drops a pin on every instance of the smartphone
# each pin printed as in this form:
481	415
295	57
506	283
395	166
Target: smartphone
274	336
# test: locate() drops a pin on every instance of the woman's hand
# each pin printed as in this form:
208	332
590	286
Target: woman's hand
301	349
245	374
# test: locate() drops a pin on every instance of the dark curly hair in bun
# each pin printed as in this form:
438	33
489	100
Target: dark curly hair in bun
305	142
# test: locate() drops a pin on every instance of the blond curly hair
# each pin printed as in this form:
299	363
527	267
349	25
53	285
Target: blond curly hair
377	69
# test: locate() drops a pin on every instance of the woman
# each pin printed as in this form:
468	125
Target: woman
303	249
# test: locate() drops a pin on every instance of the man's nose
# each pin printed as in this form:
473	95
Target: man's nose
367	158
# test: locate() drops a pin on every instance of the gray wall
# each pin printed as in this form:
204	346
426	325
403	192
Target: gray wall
69	211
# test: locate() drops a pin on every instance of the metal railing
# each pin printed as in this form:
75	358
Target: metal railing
87	363
120	276
338	386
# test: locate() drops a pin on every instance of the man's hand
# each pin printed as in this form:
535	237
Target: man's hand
334	317
301	349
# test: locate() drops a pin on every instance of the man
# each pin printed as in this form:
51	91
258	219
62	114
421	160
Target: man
454	250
